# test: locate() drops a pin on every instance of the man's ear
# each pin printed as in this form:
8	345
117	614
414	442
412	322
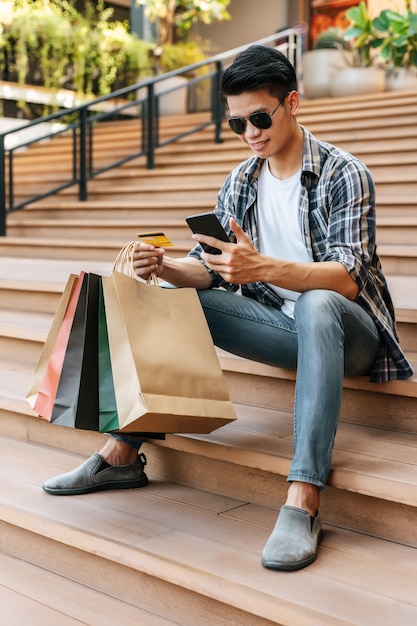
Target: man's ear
293	100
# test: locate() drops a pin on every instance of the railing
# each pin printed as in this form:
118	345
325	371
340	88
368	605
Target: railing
85	118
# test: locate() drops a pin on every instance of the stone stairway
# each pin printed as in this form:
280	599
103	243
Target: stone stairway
186	550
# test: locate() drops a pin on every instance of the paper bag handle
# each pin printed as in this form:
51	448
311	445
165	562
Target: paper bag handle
124	263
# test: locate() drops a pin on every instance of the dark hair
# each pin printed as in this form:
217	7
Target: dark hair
259	67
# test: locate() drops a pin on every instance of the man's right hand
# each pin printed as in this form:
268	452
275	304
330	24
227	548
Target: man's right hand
148	260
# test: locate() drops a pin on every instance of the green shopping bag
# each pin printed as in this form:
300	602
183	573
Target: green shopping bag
108	416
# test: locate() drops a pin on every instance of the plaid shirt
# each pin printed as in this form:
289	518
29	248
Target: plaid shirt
337	218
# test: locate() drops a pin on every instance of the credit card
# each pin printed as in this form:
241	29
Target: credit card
159	240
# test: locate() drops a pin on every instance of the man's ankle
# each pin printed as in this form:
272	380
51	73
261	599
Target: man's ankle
304	496
116	452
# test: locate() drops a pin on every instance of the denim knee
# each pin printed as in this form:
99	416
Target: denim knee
318	307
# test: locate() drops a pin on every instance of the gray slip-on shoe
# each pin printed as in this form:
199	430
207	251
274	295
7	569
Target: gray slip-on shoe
88	477
294	541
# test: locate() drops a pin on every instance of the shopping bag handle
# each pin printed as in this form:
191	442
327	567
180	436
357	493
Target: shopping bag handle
124	263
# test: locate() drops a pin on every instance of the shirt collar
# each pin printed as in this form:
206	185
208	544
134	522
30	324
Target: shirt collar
311	153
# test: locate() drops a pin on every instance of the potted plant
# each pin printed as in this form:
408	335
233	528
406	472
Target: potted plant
174	49
399	47
330	52
364	76
174	18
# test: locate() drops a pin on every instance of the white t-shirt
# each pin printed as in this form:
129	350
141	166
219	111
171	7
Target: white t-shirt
279	228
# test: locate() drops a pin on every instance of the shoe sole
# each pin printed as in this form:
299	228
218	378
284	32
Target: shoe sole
113	484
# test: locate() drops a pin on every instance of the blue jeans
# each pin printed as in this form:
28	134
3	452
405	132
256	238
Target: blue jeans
329	337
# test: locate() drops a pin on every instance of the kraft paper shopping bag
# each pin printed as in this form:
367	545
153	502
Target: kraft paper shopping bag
166	374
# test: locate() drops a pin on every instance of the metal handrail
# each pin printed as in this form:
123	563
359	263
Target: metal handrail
85	117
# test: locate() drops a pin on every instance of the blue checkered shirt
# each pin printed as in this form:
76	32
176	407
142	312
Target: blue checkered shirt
337	217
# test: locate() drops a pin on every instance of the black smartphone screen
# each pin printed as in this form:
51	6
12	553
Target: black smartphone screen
207	224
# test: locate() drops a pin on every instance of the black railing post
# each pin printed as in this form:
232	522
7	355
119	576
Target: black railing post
11	186
82	195
149	129
87	115
2	188
74	154
217	103
90	149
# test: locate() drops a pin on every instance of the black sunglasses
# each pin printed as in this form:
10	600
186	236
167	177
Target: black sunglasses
260	119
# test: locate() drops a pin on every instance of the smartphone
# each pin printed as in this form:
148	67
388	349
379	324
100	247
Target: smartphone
207	224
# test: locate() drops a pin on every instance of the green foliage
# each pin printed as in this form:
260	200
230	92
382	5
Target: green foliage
393	35
49	43
399	33
363	33
174	56
174	18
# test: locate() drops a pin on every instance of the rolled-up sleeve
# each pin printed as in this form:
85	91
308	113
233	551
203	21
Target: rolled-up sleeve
348	208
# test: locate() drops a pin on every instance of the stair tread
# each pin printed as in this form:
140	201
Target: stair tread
49	600
27	219
116	203
43	271
37	271
34	326
212	545
366	459
405	249
383	174
238	364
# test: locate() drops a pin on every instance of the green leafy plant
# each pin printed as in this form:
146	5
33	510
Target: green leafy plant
174	56
174	18
363	35
399	37
50	43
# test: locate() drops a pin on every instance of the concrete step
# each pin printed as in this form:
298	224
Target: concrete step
396	259
29	592
393	192
34	285
151	208
105	230
381	162
398	230
76	249
23	333
374	460
193	554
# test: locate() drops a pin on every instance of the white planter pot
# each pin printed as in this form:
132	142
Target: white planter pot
173	103
318	69
356	81
402	79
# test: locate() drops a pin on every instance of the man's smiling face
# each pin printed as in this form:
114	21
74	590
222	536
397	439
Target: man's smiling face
269	142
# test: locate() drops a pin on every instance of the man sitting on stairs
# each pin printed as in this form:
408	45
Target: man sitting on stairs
300	287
